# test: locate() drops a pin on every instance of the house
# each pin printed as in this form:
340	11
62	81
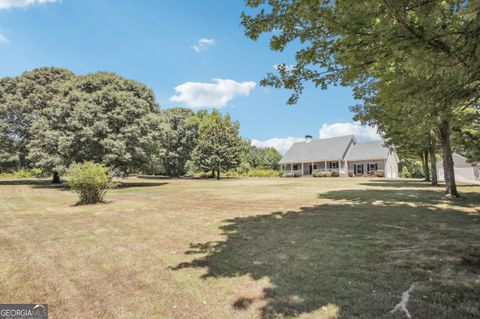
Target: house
341	153
465	172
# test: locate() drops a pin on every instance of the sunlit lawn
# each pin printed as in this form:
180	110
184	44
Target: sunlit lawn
243	248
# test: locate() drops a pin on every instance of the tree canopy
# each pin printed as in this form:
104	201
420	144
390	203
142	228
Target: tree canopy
421	56
219	146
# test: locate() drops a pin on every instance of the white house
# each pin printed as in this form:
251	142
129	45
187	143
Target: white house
341	153
465	172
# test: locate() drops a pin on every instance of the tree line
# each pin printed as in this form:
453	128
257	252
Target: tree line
414	67
51	118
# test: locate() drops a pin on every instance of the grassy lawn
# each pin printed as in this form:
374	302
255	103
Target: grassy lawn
243	248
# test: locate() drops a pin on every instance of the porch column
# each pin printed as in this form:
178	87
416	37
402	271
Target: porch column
313	167
339	167
325	169
291	167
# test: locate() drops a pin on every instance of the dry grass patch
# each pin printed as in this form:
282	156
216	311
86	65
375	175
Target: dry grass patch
242	248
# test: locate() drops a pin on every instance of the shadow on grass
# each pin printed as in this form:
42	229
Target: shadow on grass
425	197
34	182
139	184
43	183
358	255
395	183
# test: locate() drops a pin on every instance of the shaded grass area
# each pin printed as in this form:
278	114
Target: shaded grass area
243	248
359	255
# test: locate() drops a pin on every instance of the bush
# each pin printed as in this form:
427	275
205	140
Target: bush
350	173
24	173
328	174
90	180
335	173
380	173
319	174
292	174
405	173
253	172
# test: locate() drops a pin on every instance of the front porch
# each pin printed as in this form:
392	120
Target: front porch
309	168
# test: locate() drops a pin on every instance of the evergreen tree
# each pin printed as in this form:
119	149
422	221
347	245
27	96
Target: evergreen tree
218	148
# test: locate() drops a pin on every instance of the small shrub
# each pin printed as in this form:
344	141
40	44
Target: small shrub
292	174
328	174
243	168
335	173
318	174
252	172
350	173
90	180
263	172
405	173
24	173
380	173
365	174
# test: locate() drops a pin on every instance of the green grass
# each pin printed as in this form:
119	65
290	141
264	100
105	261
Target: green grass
243	248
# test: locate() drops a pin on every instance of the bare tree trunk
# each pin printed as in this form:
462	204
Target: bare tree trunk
448	166
433	163
426	170
218	173
56	178
213	172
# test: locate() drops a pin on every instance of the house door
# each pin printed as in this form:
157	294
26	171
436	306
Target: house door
310	169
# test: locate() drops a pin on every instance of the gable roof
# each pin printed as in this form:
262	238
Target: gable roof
367	150
459	161
327	149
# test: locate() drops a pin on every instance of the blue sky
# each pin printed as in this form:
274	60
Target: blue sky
190	52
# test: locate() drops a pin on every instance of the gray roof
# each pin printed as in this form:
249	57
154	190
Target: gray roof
458	161
367	150
327	149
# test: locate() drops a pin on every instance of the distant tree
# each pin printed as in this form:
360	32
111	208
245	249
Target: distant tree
179	140
204	119
261	157
218	148
21	100
99	117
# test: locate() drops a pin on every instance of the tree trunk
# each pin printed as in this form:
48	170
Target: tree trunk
213	172
448	171
433	163
218	173
56	178
427	168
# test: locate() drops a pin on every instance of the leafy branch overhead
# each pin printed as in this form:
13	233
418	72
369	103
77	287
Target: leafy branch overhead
406	61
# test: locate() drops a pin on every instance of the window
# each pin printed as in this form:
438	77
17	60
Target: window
358	169
295	167
333	165
372	167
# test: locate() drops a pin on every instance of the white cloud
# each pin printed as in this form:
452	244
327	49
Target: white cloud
3	39
203	44
216	94
6	4
280	144
362	133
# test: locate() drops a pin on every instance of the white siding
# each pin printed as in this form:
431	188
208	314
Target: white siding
391	166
